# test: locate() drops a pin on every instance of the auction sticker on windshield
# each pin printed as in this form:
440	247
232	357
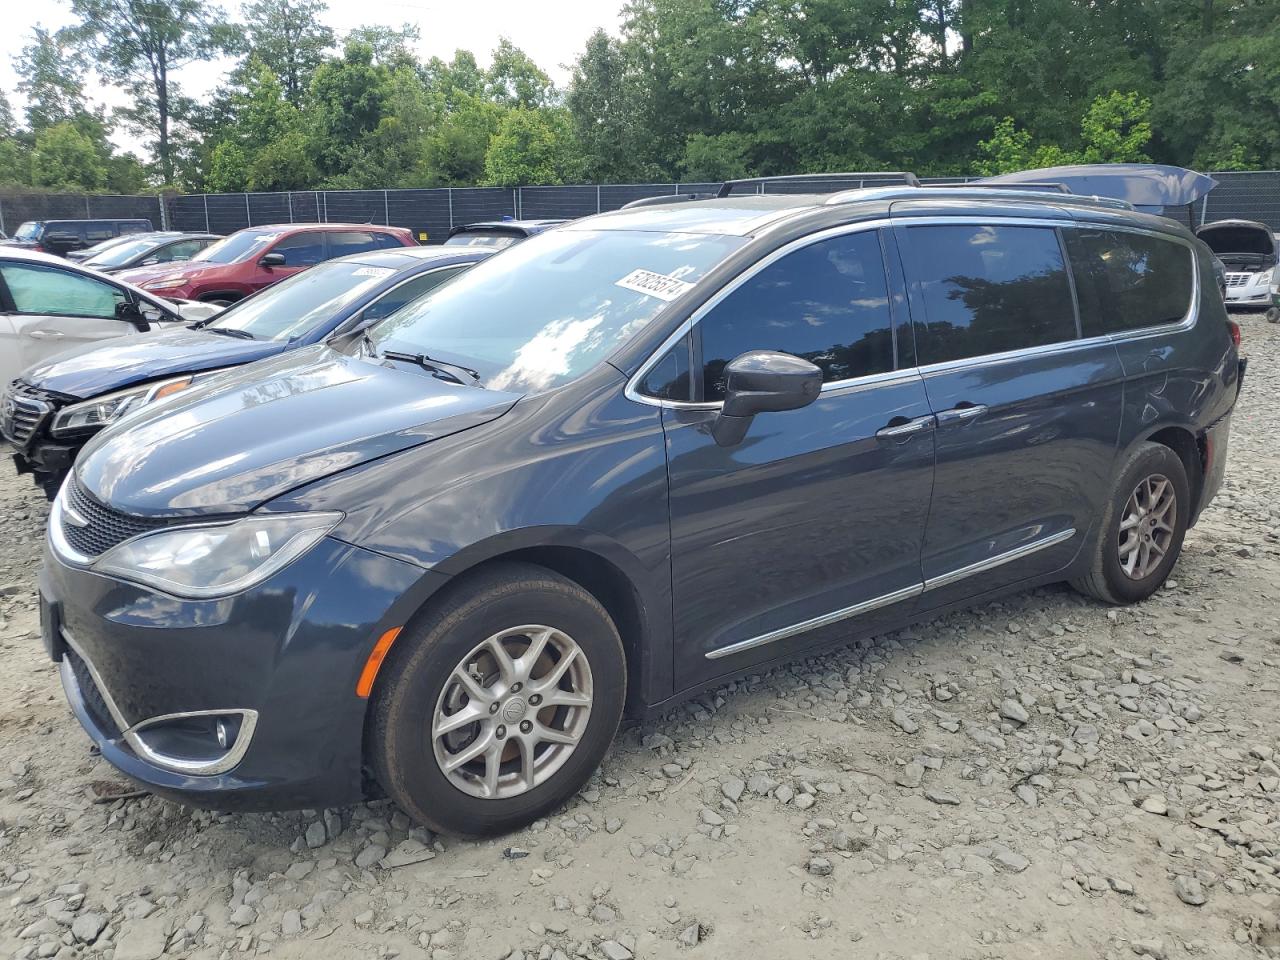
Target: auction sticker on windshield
654	284
373	272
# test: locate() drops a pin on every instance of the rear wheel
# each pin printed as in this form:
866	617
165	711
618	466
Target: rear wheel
1142	528
497	706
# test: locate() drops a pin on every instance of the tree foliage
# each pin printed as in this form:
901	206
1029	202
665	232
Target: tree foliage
688	89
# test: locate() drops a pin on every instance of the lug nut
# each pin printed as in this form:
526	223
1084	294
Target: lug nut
535	699
493	707
526	726
501	732
517	687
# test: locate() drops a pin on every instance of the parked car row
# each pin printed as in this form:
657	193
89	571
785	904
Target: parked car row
433	544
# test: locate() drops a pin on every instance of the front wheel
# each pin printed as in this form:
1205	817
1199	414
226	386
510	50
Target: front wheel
1142	528
496	706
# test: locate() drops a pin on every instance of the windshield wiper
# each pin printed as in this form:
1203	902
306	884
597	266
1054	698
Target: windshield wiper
449	370
232	332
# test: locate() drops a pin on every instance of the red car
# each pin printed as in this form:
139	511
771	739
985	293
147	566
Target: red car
257	257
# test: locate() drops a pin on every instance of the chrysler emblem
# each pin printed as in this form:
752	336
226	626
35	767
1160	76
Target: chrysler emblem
73	516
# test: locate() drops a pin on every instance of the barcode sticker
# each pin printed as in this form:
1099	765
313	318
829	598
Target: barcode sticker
654	284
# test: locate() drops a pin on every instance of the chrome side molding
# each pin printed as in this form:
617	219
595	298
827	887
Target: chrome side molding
897	596
1017	553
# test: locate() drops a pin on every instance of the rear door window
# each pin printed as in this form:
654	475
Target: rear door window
98	231
301	249
48	291
344	242
1129	281
827	302
988	289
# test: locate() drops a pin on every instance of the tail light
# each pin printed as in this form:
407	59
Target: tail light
1233	328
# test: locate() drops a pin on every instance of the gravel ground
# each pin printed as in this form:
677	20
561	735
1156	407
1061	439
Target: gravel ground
1040	777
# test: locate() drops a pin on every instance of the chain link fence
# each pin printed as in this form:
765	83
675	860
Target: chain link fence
432	212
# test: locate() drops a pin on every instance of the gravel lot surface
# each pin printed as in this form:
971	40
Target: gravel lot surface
1042	777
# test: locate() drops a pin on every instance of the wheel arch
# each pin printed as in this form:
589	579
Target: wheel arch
1189	448
605	569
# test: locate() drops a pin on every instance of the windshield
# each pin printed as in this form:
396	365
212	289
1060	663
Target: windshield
297	305
114	254
550	308
236	248
29	230
488	238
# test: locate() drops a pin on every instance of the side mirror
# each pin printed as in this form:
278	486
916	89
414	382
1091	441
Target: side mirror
763	381
130	312
272	260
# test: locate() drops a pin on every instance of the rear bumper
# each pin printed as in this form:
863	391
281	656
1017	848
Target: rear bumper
281	660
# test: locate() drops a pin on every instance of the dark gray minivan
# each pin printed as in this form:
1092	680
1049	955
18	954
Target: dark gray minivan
629	458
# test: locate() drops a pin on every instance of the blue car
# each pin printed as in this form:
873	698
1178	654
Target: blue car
54	407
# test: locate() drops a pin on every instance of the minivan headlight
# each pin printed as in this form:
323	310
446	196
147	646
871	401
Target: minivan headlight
99	411
216	560
1265	277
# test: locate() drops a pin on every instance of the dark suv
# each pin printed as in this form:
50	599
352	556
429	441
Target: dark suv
60	237
624	460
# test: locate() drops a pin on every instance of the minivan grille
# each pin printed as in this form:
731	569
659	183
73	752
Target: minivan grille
1238	279
103	527
22	411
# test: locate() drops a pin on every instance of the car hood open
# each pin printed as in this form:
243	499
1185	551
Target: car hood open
94	368
229	446
1248	237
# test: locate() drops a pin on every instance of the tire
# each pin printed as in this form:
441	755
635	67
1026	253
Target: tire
1107	580
418	689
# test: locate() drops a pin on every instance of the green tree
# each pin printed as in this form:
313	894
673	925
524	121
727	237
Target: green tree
454	153
513	80
228	169
1116	129
532	146
49	78
65	159
140	45
391	46
290	39
347	101
722	157
606	103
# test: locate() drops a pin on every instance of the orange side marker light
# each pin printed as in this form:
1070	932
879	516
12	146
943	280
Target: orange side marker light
379	653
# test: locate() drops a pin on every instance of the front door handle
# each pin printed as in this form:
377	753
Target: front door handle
905	428
961	414
46	334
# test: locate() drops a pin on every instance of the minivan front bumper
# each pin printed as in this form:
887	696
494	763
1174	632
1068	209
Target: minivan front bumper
247	702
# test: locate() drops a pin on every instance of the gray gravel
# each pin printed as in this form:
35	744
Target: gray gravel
1038	777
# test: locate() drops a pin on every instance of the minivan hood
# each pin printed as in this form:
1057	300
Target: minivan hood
249	436
93	368
1226	237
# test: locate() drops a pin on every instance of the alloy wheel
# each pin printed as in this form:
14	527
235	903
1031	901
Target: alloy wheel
1147	526
512	711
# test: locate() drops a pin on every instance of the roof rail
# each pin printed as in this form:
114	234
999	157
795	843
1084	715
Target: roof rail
910	179
1045	186
980	192
663	199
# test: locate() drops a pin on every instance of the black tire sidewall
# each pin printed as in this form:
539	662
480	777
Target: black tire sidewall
1154	459
404	755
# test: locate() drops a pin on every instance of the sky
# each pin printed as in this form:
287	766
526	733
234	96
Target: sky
552	33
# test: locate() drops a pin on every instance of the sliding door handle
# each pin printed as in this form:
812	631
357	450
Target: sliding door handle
961	414
899	428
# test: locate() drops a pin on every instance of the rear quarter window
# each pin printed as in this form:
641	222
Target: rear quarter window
1129	281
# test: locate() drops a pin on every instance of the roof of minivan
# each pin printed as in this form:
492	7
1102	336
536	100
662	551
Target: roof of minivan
400	258
733	216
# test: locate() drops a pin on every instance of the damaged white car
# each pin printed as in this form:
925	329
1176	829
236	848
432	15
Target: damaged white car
1248	250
